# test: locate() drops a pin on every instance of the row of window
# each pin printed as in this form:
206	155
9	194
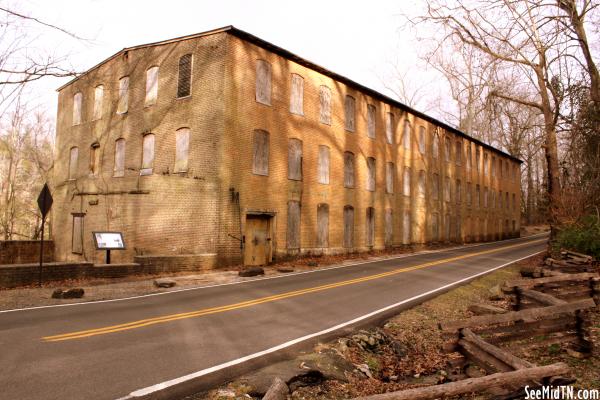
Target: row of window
261	167
263	96
182	141
184	89
293	226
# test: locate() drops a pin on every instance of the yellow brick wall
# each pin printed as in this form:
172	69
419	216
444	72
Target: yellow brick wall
195	213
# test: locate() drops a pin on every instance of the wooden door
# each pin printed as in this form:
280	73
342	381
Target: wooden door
257	249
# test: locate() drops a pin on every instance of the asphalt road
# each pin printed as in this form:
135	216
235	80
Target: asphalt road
110	350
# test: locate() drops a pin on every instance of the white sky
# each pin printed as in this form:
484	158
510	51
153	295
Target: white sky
354	38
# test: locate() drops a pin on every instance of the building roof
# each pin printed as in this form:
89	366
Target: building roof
309	64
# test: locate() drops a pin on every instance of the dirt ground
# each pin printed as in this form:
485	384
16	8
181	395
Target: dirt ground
406	351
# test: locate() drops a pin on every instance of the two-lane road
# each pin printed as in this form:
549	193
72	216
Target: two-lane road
136	346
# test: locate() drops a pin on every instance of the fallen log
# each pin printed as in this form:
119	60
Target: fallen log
485	309
482	358
528	283
578	255
500	354
513	378
540	297
512	316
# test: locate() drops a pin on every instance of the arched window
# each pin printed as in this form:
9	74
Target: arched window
98	100
435	146
325	105
151	86
322	225
371	124
389	127
73	161
348	169
406	135
260	164
389	177
295	159
77	102
370	227
348	226
370	184
263	82
297	95
147	154
123	103
350	113
182	146
422	139
119	168
95	159
323	165
184	81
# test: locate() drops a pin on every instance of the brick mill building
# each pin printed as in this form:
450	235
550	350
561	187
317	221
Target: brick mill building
221	147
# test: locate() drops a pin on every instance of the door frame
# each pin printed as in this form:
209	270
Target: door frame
271	217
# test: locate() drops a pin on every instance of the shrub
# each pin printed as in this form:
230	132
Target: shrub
582	236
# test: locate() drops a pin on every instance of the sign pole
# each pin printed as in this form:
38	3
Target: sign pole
44	203
42	251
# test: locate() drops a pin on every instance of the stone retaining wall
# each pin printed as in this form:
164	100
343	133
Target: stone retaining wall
25	251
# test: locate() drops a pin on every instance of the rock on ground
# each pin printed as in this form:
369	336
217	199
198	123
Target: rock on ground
278	390
74	293
164	283
253	271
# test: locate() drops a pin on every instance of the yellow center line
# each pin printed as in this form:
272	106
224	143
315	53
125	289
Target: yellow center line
248	303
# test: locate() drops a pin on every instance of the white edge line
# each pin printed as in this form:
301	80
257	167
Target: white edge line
375	259
166	384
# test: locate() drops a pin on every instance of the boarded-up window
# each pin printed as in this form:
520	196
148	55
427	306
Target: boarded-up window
77	234
506	203
469	194
422	139
389	177
98	100
73	160
348	169
458	152
184	81
447	149
123	103
182	147
406	182
371	121
325	105
485	197
323	165
147	155
370	174
447	195
295	159
77	102
260	163
389	227
469	155
263	82
493	205
477	160
370	227
297	95
293	225
389	127
406	135
322	225
500	199
435	146
94	159
514	201
435	227
458	191
447	227
350	113
493	166
348	226
500	167
421	184
477	196
119	169
486	166
406	228
516	171
435	187
151	86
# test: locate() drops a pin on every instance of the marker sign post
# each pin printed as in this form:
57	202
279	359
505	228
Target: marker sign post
45	204
109	241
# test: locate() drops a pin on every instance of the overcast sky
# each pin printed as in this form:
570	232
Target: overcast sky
357	39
